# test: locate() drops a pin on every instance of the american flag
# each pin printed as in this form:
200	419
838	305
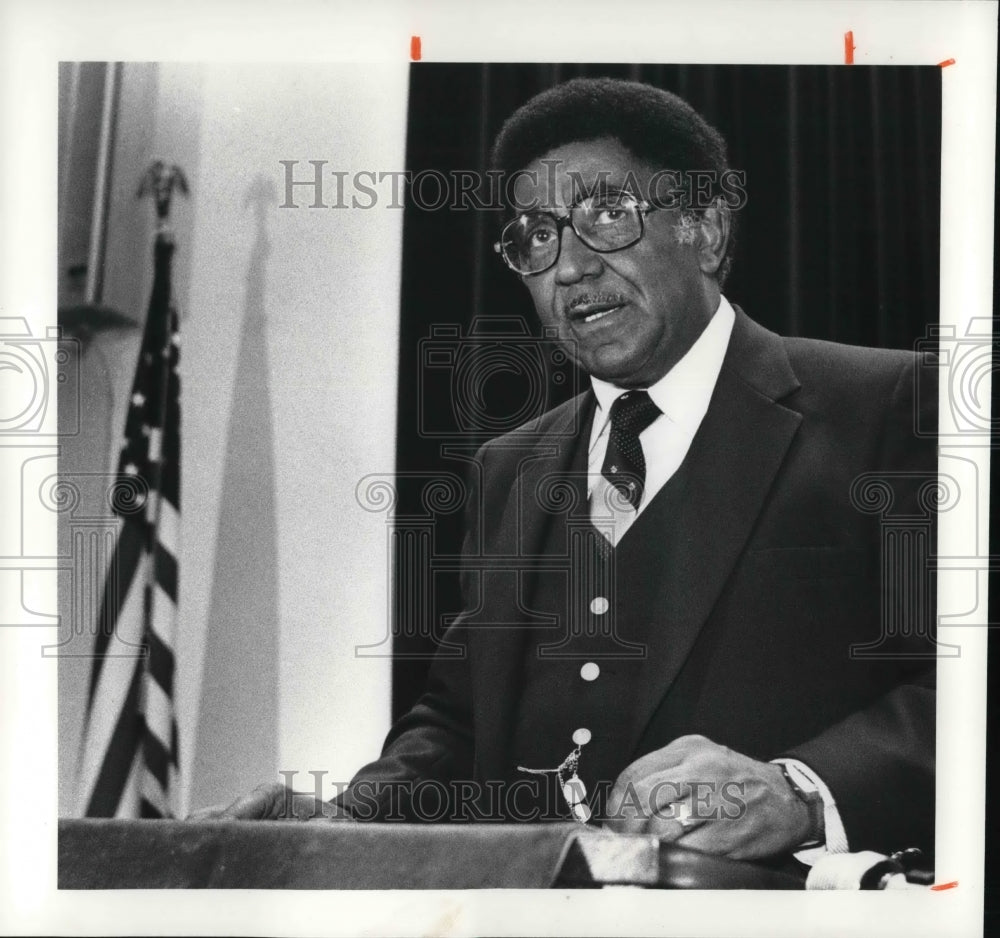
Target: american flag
129	756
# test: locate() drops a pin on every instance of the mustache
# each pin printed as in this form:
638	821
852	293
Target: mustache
594	299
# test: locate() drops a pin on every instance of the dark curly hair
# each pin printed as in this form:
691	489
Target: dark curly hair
654	125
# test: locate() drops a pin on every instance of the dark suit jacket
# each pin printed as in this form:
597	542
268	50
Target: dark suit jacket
768	575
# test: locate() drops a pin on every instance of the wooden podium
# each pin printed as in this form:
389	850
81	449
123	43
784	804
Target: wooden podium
111	854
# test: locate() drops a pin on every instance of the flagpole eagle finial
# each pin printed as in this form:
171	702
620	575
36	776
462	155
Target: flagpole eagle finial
160	181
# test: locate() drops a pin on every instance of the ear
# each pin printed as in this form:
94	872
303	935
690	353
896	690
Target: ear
715	226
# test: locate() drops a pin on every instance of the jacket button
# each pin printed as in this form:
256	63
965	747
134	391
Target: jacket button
590	671
599	606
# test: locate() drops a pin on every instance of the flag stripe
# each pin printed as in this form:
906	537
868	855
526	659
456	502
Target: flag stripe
124	562
128	805
156	757
169	528
166	571
159	714
161	664
153	799
157	707
112	692
147	811
119	754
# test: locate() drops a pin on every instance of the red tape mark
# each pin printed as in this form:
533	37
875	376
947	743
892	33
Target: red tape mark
941	886
415	48
946	63
849	47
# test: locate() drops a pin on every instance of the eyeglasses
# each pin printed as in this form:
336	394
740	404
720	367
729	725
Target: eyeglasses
530	244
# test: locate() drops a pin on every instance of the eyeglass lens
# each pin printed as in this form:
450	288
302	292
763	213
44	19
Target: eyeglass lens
531	241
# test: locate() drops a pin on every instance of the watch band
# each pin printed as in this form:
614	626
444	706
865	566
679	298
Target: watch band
809	795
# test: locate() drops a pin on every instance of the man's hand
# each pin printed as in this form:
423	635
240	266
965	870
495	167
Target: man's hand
710	798
272	802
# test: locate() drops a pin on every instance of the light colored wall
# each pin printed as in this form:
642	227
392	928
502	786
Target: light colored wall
289	350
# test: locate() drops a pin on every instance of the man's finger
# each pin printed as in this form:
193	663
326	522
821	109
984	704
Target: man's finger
322	810
674	821
670	756
212	813
634	802
266	802
718	838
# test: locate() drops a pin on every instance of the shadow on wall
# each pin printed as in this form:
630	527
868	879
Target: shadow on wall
246	564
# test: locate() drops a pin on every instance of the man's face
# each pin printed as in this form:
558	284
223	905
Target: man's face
627	316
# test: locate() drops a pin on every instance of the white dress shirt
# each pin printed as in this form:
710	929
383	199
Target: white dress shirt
683	395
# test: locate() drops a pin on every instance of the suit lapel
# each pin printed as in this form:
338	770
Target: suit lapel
552	482
541	464
728	473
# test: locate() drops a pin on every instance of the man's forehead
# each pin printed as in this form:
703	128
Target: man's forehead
567	173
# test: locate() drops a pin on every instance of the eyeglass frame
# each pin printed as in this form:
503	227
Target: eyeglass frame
565	217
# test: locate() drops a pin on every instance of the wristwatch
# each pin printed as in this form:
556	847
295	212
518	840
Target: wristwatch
808	793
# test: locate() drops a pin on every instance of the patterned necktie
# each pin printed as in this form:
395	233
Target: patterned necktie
624	464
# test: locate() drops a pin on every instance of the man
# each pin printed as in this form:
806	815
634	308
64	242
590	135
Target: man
664	643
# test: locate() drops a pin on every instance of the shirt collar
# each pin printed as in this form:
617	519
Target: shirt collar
684	392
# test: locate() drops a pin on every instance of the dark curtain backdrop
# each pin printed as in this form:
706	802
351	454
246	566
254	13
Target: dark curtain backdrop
838	240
